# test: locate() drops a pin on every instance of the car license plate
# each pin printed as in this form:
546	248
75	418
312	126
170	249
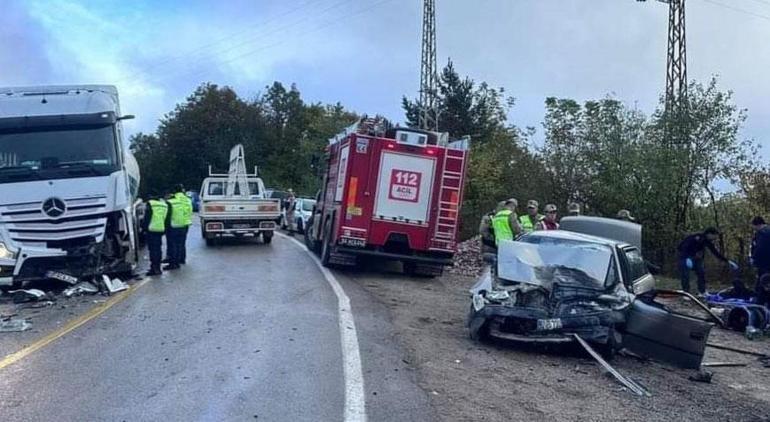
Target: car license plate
353	242
549	324
241	226
61	276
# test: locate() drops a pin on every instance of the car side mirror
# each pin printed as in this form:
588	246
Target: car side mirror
489	258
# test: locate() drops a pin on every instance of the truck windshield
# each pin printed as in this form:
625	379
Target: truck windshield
57	153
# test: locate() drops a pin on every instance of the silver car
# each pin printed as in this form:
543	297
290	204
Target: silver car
548	286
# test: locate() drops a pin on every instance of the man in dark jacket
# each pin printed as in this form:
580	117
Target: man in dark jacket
691	253
760	256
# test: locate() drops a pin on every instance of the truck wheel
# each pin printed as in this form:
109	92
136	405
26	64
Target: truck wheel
210	241
326	247
409	268
267	237
311	244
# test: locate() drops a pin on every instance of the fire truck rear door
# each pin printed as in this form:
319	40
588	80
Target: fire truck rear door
405	188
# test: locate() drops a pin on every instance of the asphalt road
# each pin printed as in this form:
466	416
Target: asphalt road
244	331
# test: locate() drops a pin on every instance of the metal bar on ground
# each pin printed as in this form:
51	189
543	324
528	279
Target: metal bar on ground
628	382
732	349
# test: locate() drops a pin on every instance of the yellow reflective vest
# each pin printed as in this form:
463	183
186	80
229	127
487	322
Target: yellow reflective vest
158	217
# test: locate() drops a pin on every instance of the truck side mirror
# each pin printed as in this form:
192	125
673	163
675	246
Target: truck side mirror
126	117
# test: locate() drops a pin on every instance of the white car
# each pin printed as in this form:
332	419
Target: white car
302	212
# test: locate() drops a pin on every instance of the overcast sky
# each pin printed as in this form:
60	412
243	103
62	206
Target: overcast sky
365	53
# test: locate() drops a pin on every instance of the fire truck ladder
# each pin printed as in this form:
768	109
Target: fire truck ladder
449	194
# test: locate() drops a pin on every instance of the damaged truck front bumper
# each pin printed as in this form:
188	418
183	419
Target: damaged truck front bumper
537	326
33	264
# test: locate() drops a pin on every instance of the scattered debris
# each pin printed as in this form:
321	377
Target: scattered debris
14	324
753	333
723	364
27	295
45	304
626	381
701	376
84	287
468	260
114	285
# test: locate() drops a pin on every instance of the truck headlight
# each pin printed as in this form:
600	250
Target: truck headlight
6	253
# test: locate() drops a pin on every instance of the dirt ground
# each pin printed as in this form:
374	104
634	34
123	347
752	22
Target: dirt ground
508	382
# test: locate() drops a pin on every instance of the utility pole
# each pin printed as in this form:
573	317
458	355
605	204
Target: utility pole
428	119
676	69
676	73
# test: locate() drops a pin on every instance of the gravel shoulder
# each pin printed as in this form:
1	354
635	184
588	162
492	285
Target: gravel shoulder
503	381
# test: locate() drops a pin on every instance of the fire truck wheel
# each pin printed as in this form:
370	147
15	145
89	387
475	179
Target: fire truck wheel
326	247
309	242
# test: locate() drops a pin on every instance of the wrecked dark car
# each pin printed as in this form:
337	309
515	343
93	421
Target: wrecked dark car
548	286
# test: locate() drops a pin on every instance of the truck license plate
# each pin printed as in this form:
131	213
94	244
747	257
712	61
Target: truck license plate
353	242
61	276
548	324
241	226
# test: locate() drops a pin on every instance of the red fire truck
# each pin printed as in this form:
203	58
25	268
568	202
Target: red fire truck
392	193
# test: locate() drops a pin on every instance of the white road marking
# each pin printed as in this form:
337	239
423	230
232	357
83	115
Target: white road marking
355	398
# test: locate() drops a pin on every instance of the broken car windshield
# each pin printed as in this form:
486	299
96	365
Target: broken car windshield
563	262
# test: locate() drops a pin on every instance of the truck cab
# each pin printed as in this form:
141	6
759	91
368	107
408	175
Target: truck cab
67	184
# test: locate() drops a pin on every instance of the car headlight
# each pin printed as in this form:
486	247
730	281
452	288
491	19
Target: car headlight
6	253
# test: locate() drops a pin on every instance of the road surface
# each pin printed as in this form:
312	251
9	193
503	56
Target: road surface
244	331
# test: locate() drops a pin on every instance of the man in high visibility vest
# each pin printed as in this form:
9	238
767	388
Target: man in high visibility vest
531	218
486	230
180	208
505	224
155	223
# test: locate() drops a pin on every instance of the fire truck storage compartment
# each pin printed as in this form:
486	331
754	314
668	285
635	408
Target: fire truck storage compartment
405	188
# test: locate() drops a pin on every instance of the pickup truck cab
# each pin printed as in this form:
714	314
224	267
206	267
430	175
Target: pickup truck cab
235	205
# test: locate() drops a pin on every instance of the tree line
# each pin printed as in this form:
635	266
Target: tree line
598	153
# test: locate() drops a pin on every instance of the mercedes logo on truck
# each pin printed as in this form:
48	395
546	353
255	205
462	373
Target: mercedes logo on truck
54	207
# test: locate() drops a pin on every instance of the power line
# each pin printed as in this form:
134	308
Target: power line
203	48
739	10
265	47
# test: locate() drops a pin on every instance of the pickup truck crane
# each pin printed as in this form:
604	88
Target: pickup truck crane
234	204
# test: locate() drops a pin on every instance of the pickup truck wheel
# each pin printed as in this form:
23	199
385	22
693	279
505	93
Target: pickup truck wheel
210	241
267	237
326	247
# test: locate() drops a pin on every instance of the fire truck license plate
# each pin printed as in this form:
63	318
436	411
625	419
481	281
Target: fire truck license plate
405	185
352	242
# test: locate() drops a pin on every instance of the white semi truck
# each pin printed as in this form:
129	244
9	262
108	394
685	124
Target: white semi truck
68	185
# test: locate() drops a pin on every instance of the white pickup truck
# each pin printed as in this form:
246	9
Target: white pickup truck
234	204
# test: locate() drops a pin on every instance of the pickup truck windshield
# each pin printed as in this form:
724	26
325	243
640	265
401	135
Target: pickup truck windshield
57	153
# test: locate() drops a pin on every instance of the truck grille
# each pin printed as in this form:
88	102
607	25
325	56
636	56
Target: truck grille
28	226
